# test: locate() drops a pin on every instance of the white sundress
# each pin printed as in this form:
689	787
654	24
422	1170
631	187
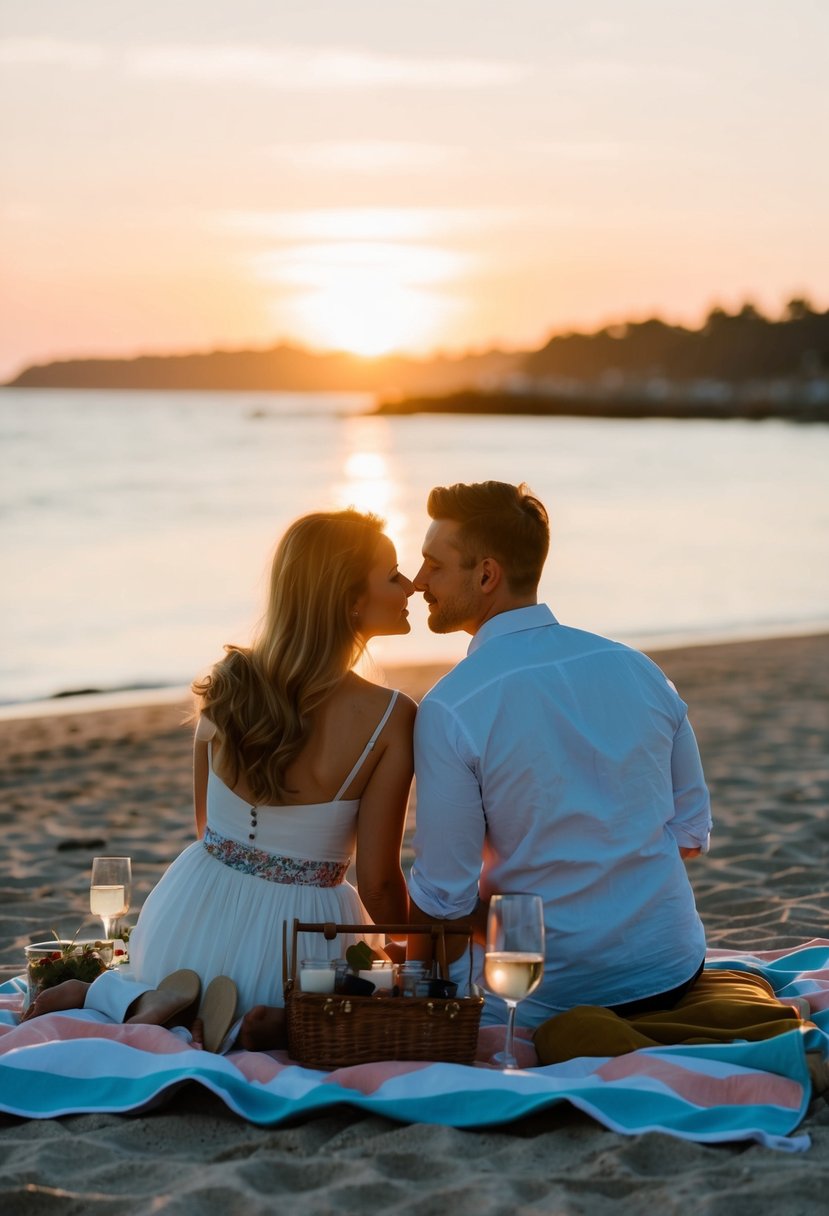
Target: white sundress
220	907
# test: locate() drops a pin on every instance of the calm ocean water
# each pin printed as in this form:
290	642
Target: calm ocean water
137	527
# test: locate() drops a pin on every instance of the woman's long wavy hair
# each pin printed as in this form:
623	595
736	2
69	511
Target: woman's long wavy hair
263	698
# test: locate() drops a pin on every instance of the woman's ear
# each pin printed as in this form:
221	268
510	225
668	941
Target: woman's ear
355	614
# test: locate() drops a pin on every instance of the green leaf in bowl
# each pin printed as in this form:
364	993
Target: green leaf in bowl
359	956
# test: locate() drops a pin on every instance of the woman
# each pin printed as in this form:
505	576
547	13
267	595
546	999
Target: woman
297	761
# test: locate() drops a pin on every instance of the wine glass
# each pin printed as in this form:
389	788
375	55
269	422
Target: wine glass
514	959
109	890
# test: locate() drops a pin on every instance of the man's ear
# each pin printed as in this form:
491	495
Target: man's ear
491	575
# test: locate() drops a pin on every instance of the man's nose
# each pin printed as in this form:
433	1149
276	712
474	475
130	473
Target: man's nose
419	583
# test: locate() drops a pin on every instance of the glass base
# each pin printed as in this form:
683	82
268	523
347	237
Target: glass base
502	1060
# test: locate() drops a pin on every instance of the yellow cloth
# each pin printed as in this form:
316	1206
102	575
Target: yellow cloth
722	1006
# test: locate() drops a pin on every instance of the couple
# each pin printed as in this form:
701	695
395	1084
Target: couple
549	760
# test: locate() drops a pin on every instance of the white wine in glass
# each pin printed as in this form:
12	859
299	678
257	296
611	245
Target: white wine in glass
109	890
514	959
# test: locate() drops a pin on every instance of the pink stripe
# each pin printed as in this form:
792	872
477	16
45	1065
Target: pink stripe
58	1028
368	1078
737	1089
260	1066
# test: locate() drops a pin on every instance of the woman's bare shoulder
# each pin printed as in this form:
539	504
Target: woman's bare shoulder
205	729
402	719
375	699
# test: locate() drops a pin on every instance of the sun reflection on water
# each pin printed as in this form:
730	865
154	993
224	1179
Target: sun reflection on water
371	480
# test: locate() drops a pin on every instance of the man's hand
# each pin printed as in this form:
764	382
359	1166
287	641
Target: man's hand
457	943
686	853
395	950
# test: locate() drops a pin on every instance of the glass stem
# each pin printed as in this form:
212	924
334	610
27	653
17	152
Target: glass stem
509	1055
105	922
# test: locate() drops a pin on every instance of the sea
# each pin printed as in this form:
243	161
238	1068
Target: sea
138	527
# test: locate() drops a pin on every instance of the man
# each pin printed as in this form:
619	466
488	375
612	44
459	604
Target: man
552	761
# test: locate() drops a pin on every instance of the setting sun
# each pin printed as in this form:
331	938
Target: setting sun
366	296
368	318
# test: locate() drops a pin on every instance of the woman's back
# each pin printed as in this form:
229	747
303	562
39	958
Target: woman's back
324	829
348	721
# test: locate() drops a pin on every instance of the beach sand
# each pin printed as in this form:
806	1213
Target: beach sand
118	782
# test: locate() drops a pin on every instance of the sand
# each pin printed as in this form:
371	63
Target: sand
118	782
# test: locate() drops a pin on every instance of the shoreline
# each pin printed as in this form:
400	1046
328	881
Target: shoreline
630	405
95	701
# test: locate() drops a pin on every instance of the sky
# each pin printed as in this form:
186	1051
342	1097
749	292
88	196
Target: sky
375	176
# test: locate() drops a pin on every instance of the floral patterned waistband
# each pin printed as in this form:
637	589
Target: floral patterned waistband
271	866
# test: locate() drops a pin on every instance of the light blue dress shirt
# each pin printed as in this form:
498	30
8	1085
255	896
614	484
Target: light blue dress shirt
554	761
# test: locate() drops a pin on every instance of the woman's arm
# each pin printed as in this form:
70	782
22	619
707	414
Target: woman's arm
382	819
205	730
200	771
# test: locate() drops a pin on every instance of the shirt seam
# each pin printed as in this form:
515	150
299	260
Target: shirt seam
618	648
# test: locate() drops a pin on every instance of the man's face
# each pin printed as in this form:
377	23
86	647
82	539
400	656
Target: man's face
451	591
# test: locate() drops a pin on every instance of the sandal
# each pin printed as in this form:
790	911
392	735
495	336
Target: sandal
187	986
182	989
217	1011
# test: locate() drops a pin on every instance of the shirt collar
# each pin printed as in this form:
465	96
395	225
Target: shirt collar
515	621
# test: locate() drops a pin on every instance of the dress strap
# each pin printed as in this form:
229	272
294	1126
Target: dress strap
367	747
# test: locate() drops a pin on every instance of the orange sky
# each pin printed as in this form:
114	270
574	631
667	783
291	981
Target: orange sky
375	176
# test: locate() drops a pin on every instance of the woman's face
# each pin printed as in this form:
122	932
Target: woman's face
381	609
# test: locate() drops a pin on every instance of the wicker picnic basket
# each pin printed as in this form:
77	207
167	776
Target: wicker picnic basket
331	1030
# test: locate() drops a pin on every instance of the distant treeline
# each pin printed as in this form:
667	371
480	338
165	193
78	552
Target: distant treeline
282	368
733	347
729	349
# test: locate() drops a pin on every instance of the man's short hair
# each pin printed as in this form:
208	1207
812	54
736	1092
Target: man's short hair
497	520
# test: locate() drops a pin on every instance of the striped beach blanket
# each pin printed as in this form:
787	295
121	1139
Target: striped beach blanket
67	1064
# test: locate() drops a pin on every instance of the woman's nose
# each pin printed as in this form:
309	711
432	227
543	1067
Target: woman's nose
407	585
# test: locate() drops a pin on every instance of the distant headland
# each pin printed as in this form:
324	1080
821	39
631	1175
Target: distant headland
283	368
736	365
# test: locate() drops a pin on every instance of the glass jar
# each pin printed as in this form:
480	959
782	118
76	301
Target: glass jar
382	975
317	975
341	970
408	975
50	963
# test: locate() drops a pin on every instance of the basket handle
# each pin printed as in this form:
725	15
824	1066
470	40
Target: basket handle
331	930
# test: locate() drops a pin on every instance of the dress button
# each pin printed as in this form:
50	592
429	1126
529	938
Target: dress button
252	836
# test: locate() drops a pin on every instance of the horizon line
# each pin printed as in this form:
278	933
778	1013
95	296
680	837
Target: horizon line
449	353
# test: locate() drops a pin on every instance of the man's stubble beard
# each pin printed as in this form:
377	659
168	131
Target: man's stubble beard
453	614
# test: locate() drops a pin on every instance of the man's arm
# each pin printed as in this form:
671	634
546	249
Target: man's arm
449	833
420	945
691	822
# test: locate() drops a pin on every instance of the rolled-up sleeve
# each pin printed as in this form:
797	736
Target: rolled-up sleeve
691	822
450	827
